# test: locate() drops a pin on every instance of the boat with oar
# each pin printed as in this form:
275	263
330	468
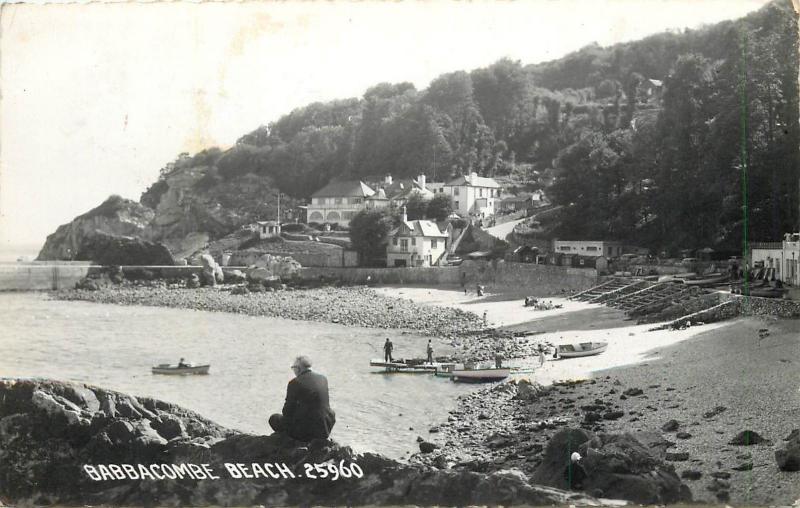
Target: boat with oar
179	370
581	349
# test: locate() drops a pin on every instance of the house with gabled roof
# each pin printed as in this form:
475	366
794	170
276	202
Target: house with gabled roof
415	243
473	195
338	202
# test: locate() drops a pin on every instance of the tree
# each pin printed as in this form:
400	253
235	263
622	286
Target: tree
369	231
440	207
416	206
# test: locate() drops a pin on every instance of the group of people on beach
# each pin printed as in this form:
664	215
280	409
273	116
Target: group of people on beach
388	347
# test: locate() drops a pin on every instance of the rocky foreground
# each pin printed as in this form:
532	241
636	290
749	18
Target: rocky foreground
50	430
351	306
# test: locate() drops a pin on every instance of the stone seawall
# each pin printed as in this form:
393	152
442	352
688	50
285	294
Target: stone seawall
541	280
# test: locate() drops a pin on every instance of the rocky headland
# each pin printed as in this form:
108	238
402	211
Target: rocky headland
50	430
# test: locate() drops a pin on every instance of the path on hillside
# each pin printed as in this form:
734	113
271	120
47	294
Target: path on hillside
501	231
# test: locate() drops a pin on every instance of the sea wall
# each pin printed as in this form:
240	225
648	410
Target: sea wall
42	276
539	280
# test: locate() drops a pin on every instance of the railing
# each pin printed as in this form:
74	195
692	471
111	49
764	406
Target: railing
766	245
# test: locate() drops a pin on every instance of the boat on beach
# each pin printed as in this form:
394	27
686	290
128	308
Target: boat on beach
581	349
479	375
168	369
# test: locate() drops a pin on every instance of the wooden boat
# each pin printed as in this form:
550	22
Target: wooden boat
410	366
166	368
487	375
581	349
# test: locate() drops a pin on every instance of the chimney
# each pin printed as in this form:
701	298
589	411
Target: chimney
404	214
421	181
388	180
473	177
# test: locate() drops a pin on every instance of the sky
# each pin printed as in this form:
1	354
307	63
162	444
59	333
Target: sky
96	98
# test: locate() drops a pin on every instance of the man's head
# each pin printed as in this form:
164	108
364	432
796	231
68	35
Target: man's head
300	365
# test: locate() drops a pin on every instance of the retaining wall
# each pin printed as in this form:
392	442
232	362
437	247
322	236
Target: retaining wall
537	280
41	277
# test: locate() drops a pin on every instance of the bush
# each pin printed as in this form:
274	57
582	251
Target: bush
293	228
250	242
459	223
315	225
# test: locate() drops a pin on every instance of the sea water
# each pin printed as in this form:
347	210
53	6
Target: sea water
115	346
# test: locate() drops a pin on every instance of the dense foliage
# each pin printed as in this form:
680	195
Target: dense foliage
369	232
655	141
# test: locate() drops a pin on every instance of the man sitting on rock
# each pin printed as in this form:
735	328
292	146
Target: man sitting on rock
306	413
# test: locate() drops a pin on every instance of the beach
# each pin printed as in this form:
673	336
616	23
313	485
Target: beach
715	380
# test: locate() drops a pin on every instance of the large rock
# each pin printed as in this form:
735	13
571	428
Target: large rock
105	249
618	466
788	453
115	217
50	430
212	273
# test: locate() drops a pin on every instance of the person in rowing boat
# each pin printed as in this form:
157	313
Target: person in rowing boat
387	350
182	364
430	352
306	414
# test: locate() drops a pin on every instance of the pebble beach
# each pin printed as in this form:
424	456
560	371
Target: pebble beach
693	389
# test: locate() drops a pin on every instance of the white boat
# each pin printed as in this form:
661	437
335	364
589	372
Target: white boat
166	368
486	375
581	349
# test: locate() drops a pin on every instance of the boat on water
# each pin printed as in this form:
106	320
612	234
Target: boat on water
711	279
168	369
408	366
581	349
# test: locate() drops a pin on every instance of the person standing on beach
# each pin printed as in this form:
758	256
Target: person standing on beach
388	347
306	414
485	322
430	352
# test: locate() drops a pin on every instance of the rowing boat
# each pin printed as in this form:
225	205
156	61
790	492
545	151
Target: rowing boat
486	375
166	368
410	366
581	349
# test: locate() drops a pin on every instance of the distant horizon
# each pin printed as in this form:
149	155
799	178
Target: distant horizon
95	102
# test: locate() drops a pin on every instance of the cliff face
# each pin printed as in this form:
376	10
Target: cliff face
116	216
49	430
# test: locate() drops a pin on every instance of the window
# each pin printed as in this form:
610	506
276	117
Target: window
355	201
455	191
337	201
394	242
404	245
455	204
434	244
564	248
480	192
591	248
413	241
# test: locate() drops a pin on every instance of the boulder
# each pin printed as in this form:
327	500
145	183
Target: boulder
235	277
279	266
258	275
49	430
747	438
670	426
615	466
193	281
788	453
212	272
527	390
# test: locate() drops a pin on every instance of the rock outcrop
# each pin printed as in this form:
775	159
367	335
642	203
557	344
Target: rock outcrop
50	430
267	266
212	272
115	216
108	250
788	453
619	466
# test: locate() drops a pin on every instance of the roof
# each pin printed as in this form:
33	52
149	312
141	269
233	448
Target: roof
421	228
347	188
517	199
406	194
267	222
480	181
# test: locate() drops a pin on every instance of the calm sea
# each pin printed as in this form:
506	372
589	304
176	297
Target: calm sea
115	346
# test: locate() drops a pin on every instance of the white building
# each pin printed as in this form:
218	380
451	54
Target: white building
415	243
338	202
593	248
473	195
268	229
